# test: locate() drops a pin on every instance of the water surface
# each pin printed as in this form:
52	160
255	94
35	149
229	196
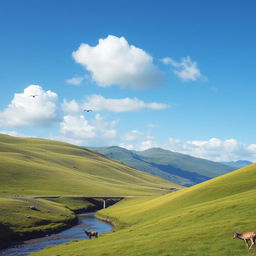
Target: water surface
86	221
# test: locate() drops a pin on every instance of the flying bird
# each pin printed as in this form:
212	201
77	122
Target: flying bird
33	95
87	110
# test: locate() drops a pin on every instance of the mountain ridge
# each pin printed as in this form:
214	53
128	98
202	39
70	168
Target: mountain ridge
238	163
179	168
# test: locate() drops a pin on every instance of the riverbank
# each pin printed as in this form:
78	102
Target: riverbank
26	218
193	221
86	221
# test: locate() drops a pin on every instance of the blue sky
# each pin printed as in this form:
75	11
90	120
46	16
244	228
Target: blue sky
173	74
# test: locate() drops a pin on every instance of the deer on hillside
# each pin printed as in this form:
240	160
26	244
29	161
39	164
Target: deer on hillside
91	234
246	236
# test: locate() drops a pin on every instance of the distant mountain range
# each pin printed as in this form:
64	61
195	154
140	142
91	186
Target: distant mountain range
179	168
238	164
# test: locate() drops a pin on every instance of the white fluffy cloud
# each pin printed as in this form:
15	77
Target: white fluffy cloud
77	129
132	135
26	110
114	62
215	149
149	142
71	107
77	80
98	102
252	149
186	69
139	141
127	146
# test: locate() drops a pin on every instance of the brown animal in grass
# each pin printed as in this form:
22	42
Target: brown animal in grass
246	236
91	234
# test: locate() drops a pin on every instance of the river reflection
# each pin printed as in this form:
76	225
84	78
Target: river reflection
86	221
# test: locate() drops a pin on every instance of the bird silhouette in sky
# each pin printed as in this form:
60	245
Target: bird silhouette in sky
87	110
33	95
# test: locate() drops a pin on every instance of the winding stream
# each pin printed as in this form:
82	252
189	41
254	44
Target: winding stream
86	221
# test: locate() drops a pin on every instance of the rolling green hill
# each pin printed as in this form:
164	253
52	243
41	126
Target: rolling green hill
178	168
199	220
34	167
24	218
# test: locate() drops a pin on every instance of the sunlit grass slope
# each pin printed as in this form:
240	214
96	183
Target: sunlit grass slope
196	221
81	205
31	166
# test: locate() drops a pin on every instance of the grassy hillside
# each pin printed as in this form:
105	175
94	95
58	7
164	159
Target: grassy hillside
179	168
134	160
81	205
23	218
194	221
33	167
77	205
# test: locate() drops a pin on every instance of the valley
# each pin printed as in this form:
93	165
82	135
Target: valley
44	183
199	220
41	192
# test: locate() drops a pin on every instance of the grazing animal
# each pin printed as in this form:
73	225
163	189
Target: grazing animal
91	234
246	236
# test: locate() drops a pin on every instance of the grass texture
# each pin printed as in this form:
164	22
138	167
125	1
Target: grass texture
196	221
39	167
23	218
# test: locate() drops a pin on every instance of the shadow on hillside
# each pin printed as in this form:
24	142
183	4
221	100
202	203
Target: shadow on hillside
194	177
5	234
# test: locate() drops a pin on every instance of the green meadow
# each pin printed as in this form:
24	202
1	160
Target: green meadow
39	167
23	218
76	204
196	221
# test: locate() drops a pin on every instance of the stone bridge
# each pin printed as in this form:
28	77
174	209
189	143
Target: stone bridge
104	198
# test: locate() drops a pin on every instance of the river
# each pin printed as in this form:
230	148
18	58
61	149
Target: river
86	221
